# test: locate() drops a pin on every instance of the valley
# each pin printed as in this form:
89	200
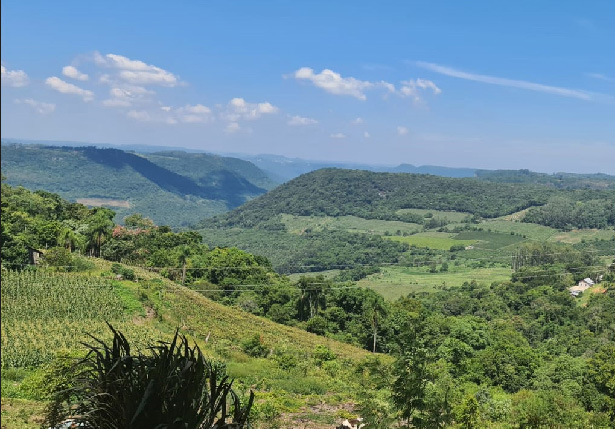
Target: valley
314	294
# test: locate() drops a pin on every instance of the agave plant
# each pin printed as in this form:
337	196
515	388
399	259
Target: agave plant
172	386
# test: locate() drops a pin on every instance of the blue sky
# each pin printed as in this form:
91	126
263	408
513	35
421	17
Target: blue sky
484	84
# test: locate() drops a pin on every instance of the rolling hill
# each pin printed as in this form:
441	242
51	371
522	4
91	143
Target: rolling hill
172	188
314	220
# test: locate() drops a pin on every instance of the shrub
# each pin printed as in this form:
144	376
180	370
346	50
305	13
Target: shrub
172	386
255	346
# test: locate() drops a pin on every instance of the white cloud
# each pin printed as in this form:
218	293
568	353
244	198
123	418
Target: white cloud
73	73
39	106
14	78
68	88
338	136
411	88
128	95
299	120
238	109
357	121
233	127
166	108
402	131
136	72
334	83
116	102
366	134
139	115
194	114
493	80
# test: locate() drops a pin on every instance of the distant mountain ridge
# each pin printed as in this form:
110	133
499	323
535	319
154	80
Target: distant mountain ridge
173	188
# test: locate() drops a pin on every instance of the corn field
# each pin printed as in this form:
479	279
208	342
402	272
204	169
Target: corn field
44	312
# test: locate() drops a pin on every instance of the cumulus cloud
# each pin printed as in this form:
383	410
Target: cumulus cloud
38	106
136	72
233	127
73	73
68	88
334	83
338	136
402	131
194	113
238	108
357	121
299	120
139	115
366	134
14	78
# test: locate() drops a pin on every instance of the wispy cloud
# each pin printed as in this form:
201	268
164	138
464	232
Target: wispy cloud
68	88
601	76
338	136
402	131
136	72
513	83
232	128
299	120
139	115
14	78
38	106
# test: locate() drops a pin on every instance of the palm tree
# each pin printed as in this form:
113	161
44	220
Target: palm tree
69	238
182	258
173	386
100	228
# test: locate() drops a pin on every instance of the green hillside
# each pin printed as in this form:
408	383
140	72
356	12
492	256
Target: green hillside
172	188
333	192
338	219
485	331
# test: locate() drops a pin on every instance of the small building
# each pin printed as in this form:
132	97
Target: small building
581	287
34	256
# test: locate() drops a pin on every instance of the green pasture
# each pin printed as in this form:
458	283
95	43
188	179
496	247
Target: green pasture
489	240
393	282
531	231
298	224
433	240
450	216
578	235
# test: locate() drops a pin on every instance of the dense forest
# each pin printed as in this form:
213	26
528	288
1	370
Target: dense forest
514	353
192	185
333	192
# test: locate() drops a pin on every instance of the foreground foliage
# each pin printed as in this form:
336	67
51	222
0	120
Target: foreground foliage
173	386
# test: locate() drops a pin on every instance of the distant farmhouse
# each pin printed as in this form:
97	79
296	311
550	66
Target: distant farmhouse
583	285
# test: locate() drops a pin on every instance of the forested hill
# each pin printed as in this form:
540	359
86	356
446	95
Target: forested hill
172	188
557	180
337	192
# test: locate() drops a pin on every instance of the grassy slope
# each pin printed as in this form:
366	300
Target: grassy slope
152	309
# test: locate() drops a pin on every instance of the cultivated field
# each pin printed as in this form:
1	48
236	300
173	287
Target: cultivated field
393	282
433	240
298	224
